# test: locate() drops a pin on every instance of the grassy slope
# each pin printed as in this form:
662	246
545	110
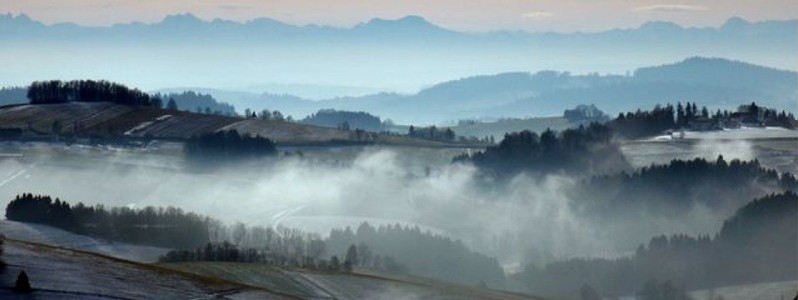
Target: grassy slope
56	271
356	285
59	271
53	236
107	120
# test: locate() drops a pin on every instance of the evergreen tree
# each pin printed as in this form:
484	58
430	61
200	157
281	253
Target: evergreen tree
335	264
171	105
22	285
351	255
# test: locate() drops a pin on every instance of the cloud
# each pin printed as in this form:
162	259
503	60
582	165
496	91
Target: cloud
538	14
670	8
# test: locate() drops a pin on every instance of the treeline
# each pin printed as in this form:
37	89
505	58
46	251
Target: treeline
580	149
228	145
677	187
644	123
57	91
169	227
347	120
432	133
757	244
592	147
198	102
267	115
419	253
663	118
281	246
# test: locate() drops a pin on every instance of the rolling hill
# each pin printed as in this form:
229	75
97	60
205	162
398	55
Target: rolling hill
107	120
57	272
56	237
713	82
61	272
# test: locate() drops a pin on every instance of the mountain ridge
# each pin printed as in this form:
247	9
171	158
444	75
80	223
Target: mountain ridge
187	18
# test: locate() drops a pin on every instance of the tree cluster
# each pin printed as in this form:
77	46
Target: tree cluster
224	251
644	123
170	227
757	244
347	120
228	145
677	186
432	133
57	91
397	248
280	246
579	149
200	103
585	114
267	115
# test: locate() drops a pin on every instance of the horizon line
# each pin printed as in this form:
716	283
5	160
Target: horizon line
14	15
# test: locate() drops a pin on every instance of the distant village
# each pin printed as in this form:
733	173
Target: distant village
746	115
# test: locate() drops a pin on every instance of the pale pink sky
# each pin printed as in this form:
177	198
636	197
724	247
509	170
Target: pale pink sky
470	15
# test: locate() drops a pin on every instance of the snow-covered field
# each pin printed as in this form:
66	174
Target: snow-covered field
57	237
773	147
743	133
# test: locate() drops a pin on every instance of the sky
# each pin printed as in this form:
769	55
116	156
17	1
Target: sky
465	15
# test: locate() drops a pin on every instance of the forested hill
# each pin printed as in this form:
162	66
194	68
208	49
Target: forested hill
394	249
714	82
583	150
104	110
673	189
720	72
757	244
594	148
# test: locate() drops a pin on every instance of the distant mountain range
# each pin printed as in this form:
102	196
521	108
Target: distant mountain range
714	82
399	55
187	27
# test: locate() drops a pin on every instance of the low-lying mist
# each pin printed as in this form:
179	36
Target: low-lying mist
526	220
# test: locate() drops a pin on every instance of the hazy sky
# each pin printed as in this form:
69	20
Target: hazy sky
472	15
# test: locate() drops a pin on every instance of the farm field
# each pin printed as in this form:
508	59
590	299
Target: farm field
334	285
774	148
